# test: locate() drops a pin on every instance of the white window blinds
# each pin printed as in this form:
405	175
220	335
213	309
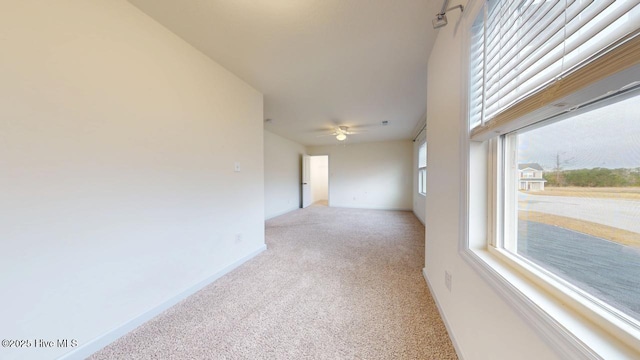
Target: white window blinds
522	47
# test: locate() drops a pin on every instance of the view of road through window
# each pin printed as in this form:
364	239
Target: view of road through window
578	199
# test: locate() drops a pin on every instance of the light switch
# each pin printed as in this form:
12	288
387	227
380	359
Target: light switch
236	166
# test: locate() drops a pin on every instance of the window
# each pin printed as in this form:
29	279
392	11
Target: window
580	221
422	168
554	88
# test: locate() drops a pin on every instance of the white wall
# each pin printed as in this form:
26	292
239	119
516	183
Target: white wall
117	183
282	174
371	175
319	178
482	325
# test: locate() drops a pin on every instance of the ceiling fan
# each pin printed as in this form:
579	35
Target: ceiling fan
341	132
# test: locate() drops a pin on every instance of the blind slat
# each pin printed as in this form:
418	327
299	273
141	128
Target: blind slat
521	46
544	35
614	63
549	24
544	70
550	51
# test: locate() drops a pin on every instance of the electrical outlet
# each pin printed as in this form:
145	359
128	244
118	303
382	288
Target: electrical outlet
238	238
236	166
447	280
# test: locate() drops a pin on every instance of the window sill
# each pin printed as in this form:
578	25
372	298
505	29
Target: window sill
571	334
423	194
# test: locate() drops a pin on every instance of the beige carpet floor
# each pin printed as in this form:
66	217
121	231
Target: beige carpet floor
333	284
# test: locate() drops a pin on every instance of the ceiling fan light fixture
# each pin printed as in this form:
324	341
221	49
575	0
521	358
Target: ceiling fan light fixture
341	137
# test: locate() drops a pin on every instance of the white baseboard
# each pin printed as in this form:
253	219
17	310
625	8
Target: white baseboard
98	343
348	206
282	212
442	315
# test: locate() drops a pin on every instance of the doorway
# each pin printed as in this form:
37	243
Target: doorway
316	181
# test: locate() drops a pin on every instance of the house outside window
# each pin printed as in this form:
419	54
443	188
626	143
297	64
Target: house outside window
532	175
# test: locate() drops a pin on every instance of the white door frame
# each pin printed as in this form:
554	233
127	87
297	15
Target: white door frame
306	181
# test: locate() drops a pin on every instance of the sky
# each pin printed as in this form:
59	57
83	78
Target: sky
608	137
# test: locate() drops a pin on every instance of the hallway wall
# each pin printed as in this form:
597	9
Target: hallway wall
282	174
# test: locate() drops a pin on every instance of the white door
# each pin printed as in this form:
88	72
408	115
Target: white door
306	181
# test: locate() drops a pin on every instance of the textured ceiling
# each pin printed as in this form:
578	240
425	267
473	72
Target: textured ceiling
319	63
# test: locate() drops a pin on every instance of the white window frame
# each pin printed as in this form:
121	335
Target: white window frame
422	170
577	331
